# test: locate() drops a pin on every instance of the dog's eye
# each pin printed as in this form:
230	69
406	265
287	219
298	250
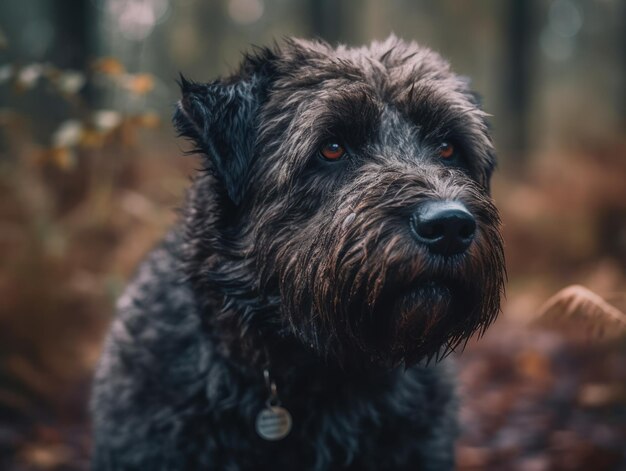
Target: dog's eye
332	151
446	151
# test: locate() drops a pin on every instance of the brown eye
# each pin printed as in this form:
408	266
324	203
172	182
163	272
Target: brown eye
332	151
446	150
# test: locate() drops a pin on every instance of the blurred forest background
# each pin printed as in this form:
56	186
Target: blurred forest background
91	174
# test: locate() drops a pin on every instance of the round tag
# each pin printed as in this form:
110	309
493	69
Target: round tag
273	423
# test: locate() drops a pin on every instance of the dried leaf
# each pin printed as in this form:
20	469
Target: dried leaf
584	313
71	82
139	83
61	157
64	158
148	120
598	395
106	120
91	139
68	134
29	76
109	66
46	456
534	366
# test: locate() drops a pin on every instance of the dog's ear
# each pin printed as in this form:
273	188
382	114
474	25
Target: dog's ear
220	118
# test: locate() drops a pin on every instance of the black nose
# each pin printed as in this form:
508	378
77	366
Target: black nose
446	227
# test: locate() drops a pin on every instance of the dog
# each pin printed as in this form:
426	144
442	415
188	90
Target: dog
338	243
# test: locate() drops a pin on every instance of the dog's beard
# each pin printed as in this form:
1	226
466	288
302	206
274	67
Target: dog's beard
364	291
398	314
426	321
404	321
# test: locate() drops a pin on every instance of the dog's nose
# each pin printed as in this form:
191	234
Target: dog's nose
446	227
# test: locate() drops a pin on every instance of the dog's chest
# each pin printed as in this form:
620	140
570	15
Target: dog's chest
336	427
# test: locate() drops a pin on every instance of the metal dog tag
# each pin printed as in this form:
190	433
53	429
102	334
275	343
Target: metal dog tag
273	423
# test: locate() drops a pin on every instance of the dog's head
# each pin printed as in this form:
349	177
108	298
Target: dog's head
346	200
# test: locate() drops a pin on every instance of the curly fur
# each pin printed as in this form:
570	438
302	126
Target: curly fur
308	267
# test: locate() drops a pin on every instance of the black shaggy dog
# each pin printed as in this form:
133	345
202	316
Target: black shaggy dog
341	237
